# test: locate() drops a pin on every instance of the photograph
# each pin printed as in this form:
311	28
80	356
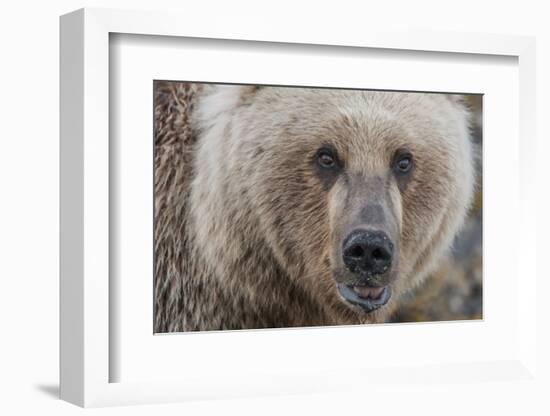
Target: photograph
298	206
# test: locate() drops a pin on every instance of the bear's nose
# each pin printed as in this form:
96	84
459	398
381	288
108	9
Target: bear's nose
367	252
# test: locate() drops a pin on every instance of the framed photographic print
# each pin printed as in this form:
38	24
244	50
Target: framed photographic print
276	212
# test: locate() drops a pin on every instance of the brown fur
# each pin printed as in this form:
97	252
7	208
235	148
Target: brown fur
247	233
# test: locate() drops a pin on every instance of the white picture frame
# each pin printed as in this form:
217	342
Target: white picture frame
85	355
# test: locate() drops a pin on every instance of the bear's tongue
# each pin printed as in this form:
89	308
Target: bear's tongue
368	292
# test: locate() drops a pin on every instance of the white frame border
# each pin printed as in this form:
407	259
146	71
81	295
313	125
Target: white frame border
84	186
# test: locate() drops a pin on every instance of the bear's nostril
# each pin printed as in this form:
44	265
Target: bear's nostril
379	254
356	251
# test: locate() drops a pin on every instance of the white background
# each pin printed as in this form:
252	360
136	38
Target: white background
29	209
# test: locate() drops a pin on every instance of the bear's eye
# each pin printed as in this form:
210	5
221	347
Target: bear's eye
326	159
403	163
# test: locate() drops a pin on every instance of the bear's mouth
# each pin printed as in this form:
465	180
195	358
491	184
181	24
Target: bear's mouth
367	298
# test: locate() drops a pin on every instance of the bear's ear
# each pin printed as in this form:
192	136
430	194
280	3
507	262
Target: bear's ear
461	103
457	99
216	101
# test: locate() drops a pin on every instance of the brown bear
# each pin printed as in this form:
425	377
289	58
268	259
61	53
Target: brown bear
285	207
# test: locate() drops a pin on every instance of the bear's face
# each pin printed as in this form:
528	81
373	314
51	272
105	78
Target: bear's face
356	194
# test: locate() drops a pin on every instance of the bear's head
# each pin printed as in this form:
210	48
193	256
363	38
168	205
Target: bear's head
354	195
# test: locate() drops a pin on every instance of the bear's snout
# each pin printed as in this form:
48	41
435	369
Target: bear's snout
367	253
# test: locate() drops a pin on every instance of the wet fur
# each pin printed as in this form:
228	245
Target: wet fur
245	227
